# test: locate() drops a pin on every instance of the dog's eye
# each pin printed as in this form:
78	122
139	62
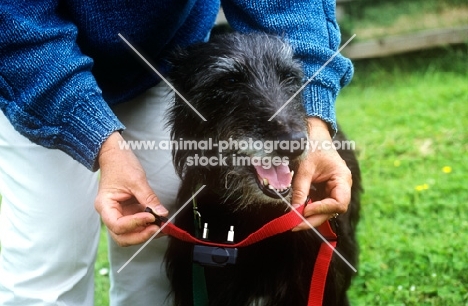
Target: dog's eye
229	81
290	79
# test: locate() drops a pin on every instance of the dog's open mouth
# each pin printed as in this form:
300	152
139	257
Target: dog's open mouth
274	181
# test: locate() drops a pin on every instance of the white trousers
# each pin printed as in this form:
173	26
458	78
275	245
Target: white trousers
50	229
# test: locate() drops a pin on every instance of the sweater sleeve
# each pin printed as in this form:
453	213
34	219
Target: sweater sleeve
311	28
47	90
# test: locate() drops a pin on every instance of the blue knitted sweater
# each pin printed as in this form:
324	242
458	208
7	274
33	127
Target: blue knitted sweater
62	64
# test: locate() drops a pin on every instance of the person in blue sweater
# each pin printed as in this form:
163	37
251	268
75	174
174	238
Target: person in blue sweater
71	91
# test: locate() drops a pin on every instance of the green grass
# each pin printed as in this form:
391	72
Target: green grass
101	288
408	116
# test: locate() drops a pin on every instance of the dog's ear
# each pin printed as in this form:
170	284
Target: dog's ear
182	70
177	59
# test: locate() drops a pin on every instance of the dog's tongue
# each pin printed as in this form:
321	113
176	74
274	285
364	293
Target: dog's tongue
279	177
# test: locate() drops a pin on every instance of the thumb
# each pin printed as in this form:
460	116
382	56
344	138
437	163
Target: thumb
301	187
146	196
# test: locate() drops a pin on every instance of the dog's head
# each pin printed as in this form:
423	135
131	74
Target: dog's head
246	87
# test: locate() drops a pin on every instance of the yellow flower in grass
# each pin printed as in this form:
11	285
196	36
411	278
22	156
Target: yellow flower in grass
446	169
422	187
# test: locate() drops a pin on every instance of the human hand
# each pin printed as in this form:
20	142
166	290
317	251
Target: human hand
123	195
322	166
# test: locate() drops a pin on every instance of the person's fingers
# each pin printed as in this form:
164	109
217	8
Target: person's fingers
339	196
133	238
313	221
147	198
120	224
319	211
301	187
125	219
124	193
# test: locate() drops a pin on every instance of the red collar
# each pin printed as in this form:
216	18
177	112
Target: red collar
274	227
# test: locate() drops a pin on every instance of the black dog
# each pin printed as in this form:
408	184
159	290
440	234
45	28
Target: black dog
238	82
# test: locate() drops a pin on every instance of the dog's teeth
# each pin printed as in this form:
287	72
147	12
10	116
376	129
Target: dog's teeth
289	186
271	187
265	182
292	173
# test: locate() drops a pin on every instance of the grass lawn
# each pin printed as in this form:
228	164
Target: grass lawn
101	287
408	116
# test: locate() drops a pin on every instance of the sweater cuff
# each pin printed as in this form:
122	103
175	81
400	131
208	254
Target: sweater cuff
319	102
89	124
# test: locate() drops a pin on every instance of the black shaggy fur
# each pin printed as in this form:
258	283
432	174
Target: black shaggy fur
237	82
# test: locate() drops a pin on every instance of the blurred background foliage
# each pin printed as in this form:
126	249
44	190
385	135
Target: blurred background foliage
374	18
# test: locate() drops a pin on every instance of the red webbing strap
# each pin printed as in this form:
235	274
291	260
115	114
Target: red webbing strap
276	226
322	264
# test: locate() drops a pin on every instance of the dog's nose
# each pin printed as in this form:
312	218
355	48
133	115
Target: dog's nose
291	144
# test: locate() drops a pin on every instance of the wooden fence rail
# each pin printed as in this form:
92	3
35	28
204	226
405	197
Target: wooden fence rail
405	43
